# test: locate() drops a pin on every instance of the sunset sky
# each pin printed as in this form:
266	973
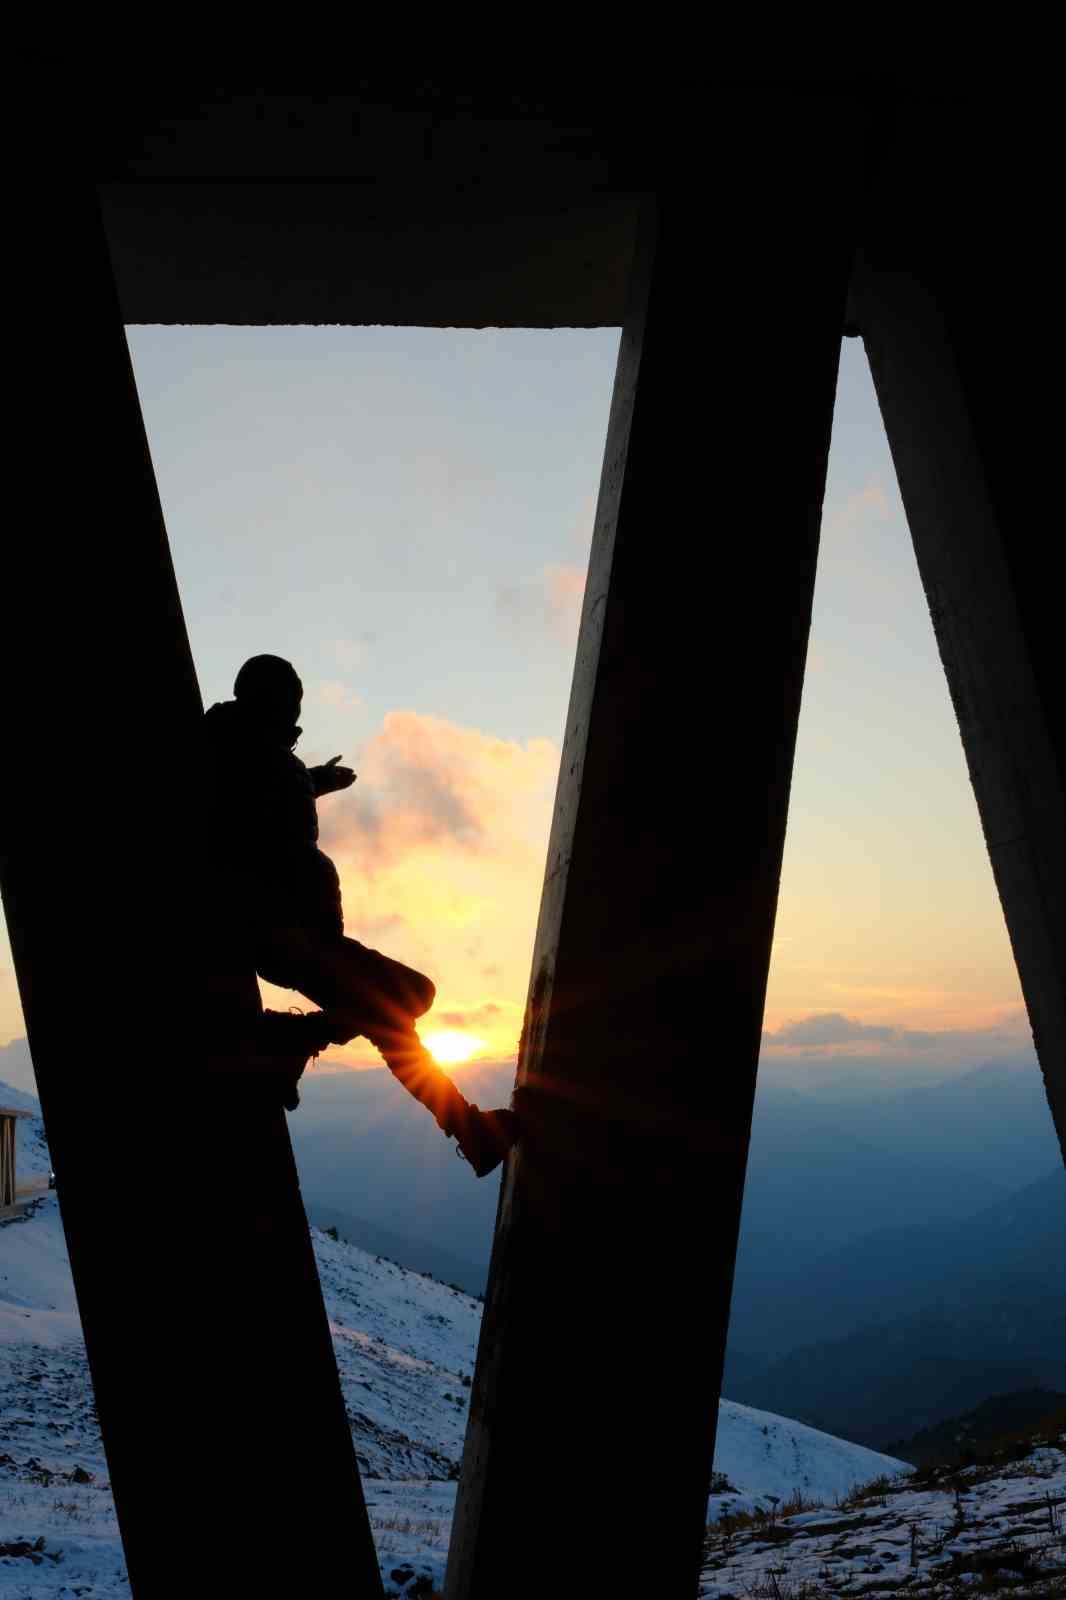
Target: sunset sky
405	514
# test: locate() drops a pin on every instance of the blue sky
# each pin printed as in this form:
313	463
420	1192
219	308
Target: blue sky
405	514
397	491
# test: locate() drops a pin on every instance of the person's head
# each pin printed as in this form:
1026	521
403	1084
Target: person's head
269	688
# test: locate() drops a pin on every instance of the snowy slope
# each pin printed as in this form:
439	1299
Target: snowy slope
999	1527
405	1351
768	1458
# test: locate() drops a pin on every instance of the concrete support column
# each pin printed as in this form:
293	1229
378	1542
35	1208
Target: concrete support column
227	1443
943	293
594	1401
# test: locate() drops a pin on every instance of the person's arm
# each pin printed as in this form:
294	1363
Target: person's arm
329	778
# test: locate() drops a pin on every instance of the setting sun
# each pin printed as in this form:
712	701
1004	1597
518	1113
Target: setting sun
450	1047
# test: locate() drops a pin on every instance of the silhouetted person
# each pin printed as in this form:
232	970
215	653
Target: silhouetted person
264	846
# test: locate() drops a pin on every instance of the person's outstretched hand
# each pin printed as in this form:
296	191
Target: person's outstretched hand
329	777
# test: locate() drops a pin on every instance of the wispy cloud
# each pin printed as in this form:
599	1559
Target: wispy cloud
336	695
476	1017
451	480
832	1027
549	603
350	654
864	505
427	784
547	607
831	1032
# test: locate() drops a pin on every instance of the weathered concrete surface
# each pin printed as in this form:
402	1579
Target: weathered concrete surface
599	1367
958	240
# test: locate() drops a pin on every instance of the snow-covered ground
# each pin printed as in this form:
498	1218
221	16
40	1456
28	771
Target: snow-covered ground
405	1350
979	1529
768	1459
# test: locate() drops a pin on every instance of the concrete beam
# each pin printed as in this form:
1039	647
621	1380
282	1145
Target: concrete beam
435	255
227	1443
594	1401
438	204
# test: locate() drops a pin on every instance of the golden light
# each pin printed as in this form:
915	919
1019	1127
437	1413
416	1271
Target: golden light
449	1047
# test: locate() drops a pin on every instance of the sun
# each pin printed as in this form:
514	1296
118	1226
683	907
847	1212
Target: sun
450	1047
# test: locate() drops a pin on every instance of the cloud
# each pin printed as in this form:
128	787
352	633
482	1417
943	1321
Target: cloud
549	604
440	848
336	696
583	527
832	1027
426	784
349	653
866	504
566	591
827	1032
477	1017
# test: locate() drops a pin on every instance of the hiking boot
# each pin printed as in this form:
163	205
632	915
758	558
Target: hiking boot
292	1034
290	1040
344	1026
483	1137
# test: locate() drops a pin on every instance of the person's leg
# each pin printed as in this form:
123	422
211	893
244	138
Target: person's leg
365	992
344	976
255	1049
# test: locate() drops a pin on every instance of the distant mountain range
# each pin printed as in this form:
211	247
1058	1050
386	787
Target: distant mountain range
971	1436
894	1378
848	1151
901	1257
825	1170
903	1242
888	1333
1014	1249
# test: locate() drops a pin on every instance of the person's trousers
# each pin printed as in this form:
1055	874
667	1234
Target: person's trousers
378	996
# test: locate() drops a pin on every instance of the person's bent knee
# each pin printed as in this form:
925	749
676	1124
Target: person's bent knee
410	989
427	993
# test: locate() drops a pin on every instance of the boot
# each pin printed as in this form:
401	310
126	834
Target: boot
344	1026
483	1137
290	1040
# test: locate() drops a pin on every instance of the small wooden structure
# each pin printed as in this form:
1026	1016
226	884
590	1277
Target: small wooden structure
8	1117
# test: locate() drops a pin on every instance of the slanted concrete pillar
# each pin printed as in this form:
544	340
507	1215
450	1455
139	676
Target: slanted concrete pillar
949	298
594	1401
227	1443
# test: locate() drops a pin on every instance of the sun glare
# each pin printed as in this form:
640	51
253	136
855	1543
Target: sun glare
450	1047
